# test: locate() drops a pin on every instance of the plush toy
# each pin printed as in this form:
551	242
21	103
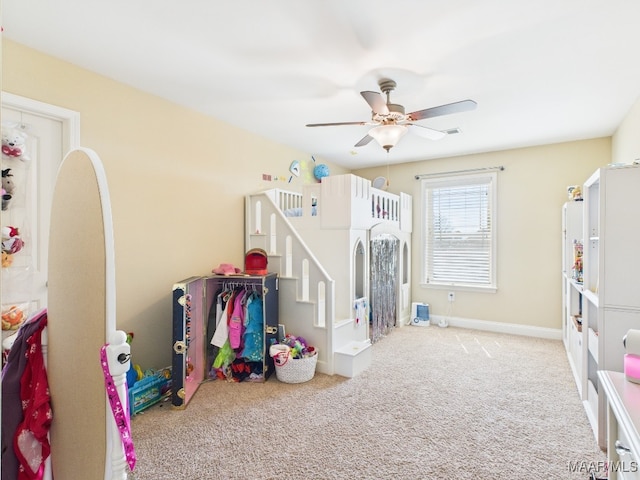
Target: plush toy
11	241
12	318
576	194
14	144
7	259
298	347
8	188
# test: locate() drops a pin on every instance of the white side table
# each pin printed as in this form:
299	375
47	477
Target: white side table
623	424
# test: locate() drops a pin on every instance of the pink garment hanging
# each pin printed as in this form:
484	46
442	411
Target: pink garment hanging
31	442
236	322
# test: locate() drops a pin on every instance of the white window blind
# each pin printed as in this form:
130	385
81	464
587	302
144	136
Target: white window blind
460	235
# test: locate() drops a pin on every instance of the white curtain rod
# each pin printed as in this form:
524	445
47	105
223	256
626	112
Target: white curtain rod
484	169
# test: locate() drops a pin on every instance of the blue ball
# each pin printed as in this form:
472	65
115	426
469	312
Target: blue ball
321	171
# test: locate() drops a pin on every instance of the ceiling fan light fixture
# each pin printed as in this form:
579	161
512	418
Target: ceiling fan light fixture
388	136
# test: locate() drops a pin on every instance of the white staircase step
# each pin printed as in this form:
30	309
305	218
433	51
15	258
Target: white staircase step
353	358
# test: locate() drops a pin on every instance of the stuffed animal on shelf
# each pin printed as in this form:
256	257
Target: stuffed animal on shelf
14	144
7	259
8	187
12	318
576	194
11	241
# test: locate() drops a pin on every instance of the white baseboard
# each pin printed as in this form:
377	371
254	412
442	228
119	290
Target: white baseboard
500	327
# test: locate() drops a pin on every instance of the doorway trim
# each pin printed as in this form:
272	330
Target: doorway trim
70	119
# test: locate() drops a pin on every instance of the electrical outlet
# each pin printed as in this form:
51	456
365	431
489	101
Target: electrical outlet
452	297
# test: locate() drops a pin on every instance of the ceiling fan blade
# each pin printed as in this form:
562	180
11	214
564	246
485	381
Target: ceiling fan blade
448	109
365	140
426	132
376	102
335	124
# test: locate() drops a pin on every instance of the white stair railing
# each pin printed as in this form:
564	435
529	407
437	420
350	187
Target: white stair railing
315	287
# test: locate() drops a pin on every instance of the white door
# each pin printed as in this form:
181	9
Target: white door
50	133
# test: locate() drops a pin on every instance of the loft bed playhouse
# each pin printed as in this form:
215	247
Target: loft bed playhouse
341	250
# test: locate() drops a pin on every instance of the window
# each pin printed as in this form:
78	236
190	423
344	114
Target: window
459	231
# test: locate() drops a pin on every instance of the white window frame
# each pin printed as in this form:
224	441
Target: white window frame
427	184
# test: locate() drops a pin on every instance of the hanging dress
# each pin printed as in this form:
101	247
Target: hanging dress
253	350
236	322
26	405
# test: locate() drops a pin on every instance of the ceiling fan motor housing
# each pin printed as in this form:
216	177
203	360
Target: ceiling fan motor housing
386	85
396	114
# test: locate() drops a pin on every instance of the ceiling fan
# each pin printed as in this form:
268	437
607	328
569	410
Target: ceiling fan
391	123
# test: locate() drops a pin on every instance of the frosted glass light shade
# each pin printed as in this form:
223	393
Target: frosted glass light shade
388	135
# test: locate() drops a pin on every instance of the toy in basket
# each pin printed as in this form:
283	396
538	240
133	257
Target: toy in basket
294	360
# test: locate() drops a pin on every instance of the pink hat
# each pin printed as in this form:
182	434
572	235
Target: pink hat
226	269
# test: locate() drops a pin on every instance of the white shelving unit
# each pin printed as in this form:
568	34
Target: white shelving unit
572	289
591	235
609	298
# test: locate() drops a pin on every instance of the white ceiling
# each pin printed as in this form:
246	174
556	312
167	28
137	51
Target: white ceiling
541	71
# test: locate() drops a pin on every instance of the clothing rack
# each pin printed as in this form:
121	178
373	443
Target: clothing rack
248	283
196	323
231	285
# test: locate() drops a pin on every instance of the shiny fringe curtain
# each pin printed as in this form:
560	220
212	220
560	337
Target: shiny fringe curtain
384	281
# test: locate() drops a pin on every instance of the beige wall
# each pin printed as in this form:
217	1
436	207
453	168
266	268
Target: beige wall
177	181
531	191
626	141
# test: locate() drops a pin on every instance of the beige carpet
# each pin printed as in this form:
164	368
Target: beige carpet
436	404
